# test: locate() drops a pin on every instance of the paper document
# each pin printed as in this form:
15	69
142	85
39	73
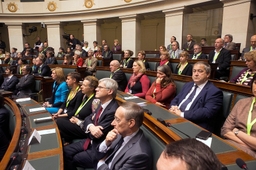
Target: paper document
36	109
47	131
28	166
131	97
23	99
208	142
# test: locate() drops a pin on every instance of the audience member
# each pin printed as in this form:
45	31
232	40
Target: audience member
118	75
68	51
14	52
164	59
7	58
28	54
83	52
78	61
2	55
239	127
197	53
5	136
163	90
98	54
38	44
10	81
33	65
228	44
199	101
222	57
128	61
96	126
103	43
141	56
42	69
175	52
20	64
117	46
67	60
61	53
59	91
86	46
69	127
90	63
169	47
245	76
162	48
107	54
50	59
126	146
73	42
188	46
26	84
252	47
139	83
188	154
95	46
203	42
27	47
183	68
45	47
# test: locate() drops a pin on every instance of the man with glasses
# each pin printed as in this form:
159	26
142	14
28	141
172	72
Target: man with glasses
252	47
197	53
96	126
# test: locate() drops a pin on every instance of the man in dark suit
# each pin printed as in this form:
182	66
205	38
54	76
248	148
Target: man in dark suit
107	54
10	81
73	42
126	147
118	75
222	57
50	59
197	53
42	69
188	46
96	125
252	47
199	101
26	84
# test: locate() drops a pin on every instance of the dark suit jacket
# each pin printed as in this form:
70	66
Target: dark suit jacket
1	79
205	108
121	80
25	86
190	47
45	71
51	60
223	61
245	50
201	56
186	71
105	121
136	154
109	56
11	84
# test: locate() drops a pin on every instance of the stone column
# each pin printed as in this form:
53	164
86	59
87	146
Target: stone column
15	35
91	31
131	33
236	21
173	24
54	36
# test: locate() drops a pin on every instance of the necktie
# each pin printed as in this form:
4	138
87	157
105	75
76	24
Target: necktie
189	99
88	140
118	146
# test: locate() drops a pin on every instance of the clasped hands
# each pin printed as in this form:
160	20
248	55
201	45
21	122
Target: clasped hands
175	110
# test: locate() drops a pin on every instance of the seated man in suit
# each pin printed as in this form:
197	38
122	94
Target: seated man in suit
126	147
252	47
228	44
96	125
50	59
188	154
90	63
107	54
199	101
188	46
175	52
10	81
26	84
42	69
118	75
197	53
222	57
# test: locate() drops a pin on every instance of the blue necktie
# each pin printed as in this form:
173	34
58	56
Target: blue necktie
189	99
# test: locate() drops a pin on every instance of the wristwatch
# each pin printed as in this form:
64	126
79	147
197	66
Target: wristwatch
236	132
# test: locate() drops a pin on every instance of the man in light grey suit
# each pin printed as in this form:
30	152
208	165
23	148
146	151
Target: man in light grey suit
228	44
126	147
175	52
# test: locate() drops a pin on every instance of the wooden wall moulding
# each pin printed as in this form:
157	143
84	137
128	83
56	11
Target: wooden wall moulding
88	3
52	6
12	7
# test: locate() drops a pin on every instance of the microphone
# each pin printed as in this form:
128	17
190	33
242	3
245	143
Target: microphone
167	124
241	164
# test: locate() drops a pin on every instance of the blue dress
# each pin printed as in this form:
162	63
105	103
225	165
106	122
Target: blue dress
59	94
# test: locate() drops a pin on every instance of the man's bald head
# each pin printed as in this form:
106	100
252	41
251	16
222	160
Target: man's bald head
253	41
114	65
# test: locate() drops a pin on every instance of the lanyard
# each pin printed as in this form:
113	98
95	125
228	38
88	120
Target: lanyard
216	56
249	122
83	104
89	62
180	71
245	76
166	63
111	75
196	56
71	96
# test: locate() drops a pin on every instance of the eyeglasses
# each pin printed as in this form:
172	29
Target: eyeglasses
100	87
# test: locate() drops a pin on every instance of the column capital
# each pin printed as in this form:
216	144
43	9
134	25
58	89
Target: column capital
234	2
130	18
174	11
13	23
89	22
53	23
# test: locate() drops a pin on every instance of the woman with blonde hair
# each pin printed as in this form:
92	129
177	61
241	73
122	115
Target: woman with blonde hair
184	68
59	91
139	82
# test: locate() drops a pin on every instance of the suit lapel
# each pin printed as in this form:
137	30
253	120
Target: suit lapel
204	90
106	110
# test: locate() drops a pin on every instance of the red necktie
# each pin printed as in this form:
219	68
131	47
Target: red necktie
88	140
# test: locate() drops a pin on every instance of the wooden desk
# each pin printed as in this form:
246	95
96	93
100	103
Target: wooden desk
6	93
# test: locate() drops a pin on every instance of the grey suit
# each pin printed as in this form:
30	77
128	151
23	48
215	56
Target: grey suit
246	50
175	54
25	86
136	154
230	46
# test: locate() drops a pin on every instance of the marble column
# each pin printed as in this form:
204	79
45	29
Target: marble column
173	24
54	36
15	35
131	33
91	31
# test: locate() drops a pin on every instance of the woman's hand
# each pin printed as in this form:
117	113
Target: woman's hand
73	120
159	80
160	104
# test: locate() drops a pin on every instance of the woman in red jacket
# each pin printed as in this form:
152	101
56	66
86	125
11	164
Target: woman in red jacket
163	90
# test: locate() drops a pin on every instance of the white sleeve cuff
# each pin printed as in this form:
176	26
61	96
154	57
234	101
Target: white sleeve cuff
182	114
